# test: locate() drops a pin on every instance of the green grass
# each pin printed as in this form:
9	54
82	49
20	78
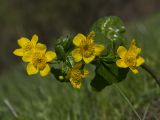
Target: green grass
36	98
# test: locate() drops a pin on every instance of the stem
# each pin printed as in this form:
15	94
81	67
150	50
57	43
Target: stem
152	73
12	110
127	100
55	62
146	111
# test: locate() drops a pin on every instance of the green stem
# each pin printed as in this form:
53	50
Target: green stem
10	107
55	62
146	111
127	100
152	73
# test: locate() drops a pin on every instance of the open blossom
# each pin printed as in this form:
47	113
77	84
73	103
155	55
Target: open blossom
28	46
38	62
35	55
76	74
86	49
130	58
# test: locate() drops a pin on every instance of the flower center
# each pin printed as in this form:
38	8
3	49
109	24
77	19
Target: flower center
39	60
75	74
87	50
28	46
130	60
86	47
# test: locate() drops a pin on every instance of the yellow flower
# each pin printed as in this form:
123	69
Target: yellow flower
38	62
28	46
130	58
86	48
75	75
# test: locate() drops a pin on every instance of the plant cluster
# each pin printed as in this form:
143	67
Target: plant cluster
105	47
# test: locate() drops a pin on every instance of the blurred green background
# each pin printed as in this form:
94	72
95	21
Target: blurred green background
36	98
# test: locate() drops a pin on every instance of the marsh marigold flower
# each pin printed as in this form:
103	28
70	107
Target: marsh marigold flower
86	49
76	74
28	46
130	58
38	62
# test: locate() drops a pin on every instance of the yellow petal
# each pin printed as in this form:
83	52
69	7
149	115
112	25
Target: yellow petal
91	35
75	84
27	57
133	42
50	56
41	47
45	71
34	39
76	54
140	61
18	52
135	71
121	51
31	69
98	49
23	41
89	59
133	48
78	39
138	50
85	73
120	63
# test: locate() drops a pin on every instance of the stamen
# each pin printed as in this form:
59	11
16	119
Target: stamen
39	60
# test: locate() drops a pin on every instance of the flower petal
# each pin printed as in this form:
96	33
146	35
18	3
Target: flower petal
121	51
18	52
140	61
135	71
50	56
31	69
85	73
76	54
120	63
91	35
133	42
22	41
45	71
27	57
138	50
75	84
133	48
41	47
88	59
98	49
78	39
34	39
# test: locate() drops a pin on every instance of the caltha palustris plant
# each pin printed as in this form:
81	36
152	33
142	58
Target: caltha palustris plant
105	47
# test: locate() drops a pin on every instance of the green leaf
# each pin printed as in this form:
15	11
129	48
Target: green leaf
107	74
63	47
59	49
110	27
65	42
109	32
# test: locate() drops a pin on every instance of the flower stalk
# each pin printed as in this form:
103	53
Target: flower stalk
127	100
152	73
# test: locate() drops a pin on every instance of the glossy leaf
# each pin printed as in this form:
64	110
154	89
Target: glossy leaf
63	47
111	27
107	74
110	32
59	49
